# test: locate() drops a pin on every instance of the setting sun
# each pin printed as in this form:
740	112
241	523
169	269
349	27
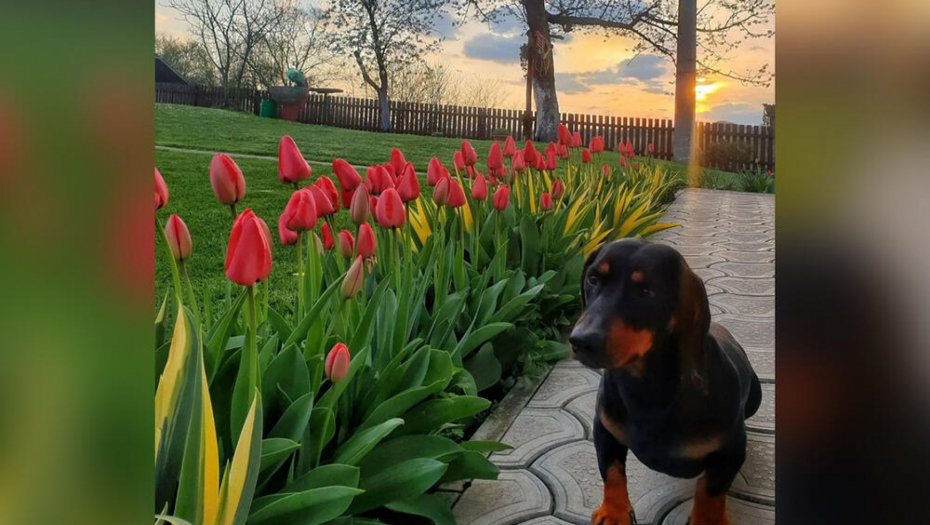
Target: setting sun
701	91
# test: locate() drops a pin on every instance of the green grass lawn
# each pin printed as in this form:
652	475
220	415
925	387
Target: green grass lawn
186	174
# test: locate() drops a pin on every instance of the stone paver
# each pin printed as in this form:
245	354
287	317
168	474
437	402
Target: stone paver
551	476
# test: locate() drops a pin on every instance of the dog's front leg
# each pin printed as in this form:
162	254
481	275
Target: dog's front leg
710	497
616	508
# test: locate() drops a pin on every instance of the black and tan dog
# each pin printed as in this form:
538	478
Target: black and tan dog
676	388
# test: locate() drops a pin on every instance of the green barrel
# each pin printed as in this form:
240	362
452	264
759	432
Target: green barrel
269	108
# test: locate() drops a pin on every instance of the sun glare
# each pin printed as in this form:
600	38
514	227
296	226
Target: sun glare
701	91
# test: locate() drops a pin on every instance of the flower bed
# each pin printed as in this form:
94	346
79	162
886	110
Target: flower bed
351	407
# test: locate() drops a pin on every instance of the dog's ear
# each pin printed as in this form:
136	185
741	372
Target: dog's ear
584	271
691	322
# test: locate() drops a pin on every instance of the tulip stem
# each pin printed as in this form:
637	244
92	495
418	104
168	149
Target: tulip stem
300	274
171	260
233	208
190	292
253	341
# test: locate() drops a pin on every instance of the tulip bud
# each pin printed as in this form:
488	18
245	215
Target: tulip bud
324	206
328	241
557	189
346	244
652	149
367	244
373	204
292	168
408	187
226	179
576	140
179	238
441	191
530	153
354	279
469	155
605	170
545	201
495	158
501	198
301	211
562	152
551	164
397	162
349	179
390	211
360	205
346	197
434	171
319	244
635	165
248	255
337	363
285	234
586	156
480	190
565	136
510	148
458	160
519	165
329	190
456	194
161	190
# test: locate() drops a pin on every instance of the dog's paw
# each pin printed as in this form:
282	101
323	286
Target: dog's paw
607	515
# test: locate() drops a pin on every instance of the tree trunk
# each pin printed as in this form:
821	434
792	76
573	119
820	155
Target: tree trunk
683	147
385	105
543	71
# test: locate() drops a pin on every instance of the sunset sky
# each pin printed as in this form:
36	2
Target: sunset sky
595	73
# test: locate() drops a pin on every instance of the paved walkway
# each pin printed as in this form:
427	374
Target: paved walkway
551	475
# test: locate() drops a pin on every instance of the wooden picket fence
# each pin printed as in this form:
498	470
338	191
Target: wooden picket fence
477	123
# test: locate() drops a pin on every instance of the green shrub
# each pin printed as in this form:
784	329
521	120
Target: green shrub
728	155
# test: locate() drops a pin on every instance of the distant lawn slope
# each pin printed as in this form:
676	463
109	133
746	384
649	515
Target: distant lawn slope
192	127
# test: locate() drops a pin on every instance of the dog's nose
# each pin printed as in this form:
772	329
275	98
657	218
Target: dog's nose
584	341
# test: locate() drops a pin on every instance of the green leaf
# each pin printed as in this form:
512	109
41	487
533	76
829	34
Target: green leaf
481	336
404	448
516	305
294	420
321	431
170	519
484	367
279	325
551	350
402	481
363	330
275	451
354	450
325	476
471	465
314	315
219	336
431	415
161	357
427	505
310	507
529	237
398	404
287	373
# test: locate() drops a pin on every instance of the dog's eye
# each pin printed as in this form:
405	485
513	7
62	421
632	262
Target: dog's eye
593	279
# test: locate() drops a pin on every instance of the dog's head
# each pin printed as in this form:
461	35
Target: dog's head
637	295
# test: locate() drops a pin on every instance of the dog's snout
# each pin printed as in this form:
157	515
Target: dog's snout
583	340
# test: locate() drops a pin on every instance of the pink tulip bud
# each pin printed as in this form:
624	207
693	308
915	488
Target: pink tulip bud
354	279
337	363
179	238
360	205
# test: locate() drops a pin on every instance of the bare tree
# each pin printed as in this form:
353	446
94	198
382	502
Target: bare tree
297	42
229	31
382	36
187	57
721	26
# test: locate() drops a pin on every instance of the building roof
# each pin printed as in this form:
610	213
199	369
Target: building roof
166	74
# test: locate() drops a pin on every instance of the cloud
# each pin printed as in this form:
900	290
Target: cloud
568	83
738	113
506	22
444	25
643	68
504	49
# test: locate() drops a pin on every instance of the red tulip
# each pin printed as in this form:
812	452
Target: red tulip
373	204
519	164
469	155
324	205
388	171
408	187
623	162
292	168
480	190
161	190
530	153
377	180
367	244
458	160
354	279
179	238
470	171
539	163
349	179
346	244
301	211
551	164
441	191
576	140
285	235
510	148
397	162
586	155
346	197
319	243
390	210
565	136
495	158
501	198
456	194
562	151
337	361
635	165
434	171
629	148
248	256
605	170
329	189
652	149
557	189
226	179
597	144
360	205
769	173
328	241
545	202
